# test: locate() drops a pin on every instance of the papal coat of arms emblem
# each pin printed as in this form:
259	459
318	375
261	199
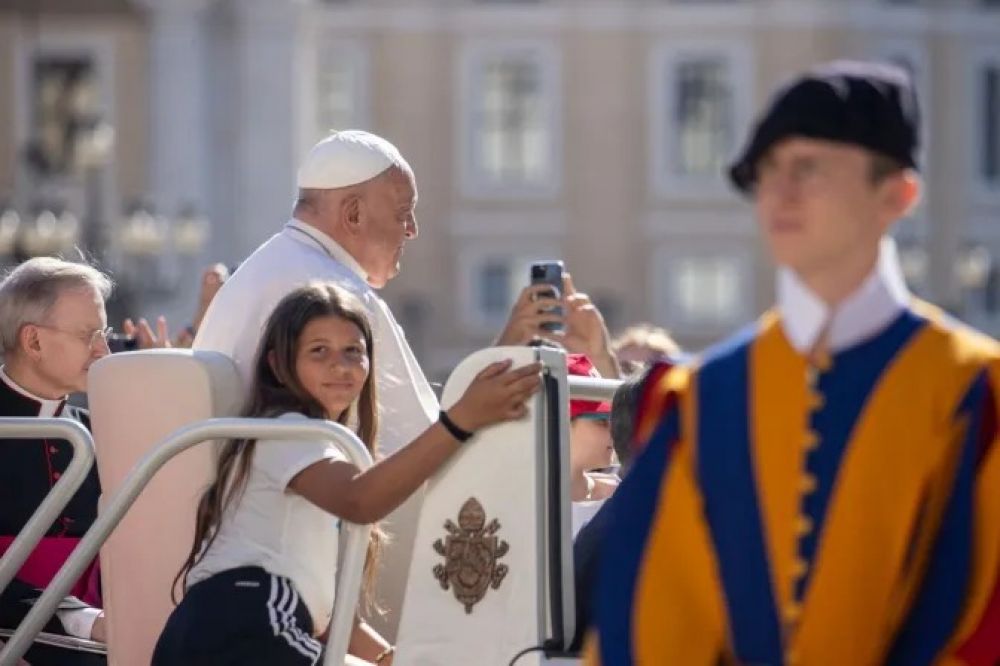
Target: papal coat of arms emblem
471	551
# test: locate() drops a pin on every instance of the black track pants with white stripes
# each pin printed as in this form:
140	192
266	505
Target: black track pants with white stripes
243	616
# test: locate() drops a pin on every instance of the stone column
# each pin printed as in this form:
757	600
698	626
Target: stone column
180	165
178	86
268	69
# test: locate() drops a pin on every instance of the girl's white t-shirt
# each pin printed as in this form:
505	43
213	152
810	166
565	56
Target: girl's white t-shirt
274	528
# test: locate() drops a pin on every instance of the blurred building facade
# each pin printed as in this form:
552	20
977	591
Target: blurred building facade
588	130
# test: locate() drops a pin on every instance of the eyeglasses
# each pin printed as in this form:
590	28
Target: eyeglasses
90	338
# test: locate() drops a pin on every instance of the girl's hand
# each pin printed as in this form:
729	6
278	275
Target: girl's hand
496	394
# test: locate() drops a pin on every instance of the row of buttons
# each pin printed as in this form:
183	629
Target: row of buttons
808	483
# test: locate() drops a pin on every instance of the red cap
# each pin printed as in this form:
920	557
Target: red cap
580	365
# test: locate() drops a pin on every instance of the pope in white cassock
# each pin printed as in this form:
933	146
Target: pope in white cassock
353	215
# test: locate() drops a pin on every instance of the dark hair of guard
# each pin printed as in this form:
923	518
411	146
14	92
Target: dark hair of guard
624	406
275	391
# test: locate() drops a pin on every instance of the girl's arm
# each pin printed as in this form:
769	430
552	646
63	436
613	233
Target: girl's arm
497	394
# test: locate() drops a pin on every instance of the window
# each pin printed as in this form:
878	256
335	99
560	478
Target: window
511	126
703	117
702	293
64	109
491	274
509	102
700	105
494	288
706	289
983	123
990	155
341	87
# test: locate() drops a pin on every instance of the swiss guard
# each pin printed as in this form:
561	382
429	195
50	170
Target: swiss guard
823	487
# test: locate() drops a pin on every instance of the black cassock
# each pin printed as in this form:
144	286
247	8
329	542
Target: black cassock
28	470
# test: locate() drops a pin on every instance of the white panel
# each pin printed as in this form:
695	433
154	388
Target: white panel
502	468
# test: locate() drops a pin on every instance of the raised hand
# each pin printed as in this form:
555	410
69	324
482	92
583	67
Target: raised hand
586	332
144	335
532	309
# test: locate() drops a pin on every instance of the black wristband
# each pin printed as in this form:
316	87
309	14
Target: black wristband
456	432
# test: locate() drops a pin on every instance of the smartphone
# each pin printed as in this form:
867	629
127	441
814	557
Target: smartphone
119	342
549	273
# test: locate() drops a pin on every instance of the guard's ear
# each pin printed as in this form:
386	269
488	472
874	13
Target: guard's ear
901	195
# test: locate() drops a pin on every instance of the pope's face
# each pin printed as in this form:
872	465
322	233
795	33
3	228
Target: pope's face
389	221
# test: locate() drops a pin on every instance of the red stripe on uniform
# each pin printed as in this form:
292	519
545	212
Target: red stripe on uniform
982	648
655	401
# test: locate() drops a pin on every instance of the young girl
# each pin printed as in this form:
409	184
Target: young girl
260	576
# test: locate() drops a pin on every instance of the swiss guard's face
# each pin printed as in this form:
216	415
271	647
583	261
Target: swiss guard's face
391	221
71	338
816	202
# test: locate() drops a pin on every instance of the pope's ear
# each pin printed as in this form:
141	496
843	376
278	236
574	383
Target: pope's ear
350	212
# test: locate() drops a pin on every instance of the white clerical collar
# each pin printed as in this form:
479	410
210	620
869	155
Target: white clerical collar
47	408
863	314
330	246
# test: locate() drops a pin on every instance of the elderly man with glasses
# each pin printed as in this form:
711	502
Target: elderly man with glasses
53	325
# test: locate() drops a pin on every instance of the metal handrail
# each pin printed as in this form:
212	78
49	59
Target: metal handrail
64	642
62	492
592	388
355	536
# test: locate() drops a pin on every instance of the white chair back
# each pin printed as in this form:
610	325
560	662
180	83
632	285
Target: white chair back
137	399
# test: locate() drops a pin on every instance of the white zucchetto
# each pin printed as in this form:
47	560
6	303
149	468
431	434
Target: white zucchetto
347	158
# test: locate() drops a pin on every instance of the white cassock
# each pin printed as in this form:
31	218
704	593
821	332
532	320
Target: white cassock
297	255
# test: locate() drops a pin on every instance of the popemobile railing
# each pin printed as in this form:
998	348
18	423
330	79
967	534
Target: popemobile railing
60	495
355	536
592	388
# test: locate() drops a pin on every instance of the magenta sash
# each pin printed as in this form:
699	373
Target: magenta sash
44	562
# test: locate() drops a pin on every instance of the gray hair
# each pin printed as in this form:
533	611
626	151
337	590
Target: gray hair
30	290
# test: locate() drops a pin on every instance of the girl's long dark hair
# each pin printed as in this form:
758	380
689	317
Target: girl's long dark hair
277	390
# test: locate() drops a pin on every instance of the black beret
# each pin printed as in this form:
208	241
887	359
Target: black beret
866	104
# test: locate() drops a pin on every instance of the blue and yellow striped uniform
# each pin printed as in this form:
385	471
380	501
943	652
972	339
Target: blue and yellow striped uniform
843	513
